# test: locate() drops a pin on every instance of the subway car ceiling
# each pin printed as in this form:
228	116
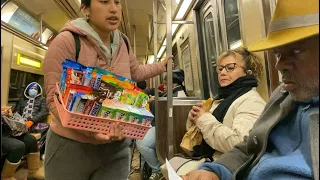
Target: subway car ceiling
216	26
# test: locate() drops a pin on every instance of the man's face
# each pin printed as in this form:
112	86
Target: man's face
299	65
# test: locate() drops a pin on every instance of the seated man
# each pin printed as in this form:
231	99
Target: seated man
284	142
33	107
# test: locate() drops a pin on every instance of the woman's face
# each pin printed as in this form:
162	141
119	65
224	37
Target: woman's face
105	14
230	69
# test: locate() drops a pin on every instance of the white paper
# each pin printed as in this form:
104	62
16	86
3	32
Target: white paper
171	173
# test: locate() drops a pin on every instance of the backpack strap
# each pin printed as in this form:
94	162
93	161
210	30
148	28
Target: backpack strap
77	44
125	41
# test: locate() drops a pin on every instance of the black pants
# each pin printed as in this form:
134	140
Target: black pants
16	147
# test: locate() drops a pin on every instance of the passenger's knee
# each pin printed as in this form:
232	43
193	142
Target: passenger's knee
143	146
30	140
18	148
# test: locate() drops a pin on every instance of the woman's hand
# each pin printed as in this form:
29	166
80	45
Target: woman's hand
151	98
200	175
165	61
115	134
29	123
195	113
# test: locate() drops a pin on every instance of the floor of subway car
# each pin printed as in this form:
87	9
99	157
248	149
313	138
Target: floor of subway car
135	167
22	171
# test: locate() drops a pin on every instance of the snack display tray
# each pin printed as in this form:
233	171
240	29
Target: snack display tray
95	124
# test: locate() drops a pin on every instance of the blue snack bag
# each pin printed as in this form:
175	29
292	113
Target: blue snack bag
87	76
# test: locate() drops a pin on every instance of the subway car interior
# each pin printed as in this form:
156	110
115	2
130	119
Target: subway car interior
194	32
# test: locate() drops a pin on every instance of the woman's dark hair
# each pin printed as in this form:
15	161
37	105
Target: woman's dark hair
86	3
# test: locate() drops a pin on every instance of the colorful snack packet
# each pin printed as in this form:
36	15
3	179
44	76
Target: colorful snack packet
141	100
75	100
135	116
76	88
129	96
65	65
147	117
87	76
97	81
74	76
69	98
118	95
108	89
89	104
97	70
122	112
125	83
108	109
82	103
123	79
97	104
74	64
95	109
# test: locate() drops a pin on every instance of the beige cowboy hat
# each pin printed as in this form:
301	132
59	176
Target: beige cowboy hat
293	20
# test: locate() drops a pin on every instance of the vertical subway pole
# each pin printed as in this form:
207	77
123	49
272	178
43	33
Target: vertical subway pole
169	80
155	51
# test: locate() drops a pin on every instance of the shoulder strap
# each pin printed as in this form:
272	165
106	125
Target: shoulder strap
77	44
126	41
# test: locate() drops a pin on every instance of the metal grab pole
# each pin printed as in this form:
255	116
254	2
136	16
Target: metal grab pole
155	50
169	81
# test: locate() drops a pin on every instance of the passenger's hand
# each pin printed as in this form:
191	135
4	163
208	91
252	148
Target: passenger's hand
151	98
29	123
200	175
196	112
115	134
191	113
165	61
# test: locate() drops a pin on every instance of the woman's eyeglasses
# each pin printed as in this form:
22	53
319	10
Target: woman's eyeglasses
229	67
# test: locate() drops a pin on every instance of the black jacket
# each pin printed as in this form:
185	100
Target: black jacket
40	110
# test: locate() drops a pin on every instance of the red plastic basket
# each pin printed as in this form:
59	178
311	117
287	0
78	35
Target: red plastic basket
95	124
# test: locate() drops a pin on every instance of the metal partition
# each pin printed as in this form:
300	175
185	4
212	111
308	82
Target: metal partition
181	108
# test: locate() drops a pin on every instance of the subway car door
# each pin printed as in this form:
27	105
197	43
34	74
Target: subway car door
212	43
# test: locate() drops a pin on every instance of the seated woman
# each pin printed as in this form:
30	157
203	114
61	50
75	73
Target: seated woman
15	148
235	109
147	146
33	107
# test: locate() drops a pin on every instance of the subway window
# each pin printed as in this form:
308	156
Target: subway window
232	23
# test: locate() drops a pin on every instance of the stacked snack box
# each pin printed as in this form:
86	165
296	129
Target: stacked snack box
101	93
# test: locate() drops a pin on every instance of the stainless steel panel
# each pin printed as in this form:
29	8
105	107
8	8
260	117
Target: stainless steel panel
169	81
180	115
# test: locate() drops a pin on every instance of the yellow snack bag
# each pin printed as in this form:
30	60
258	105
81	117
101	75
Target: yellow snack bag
193	136
207	104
